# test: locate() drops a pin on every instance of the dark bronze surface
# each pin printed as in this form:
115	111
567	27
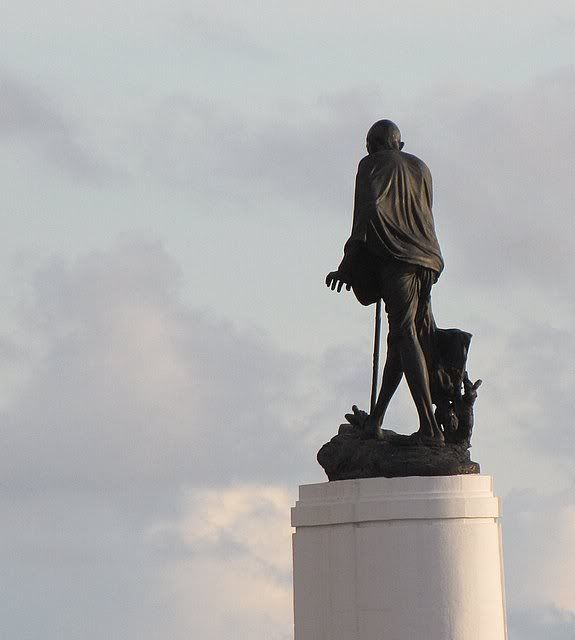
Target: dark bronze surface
393	255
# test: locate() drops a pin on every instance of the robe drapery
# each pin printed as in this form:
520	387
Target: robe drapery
392	218
392	221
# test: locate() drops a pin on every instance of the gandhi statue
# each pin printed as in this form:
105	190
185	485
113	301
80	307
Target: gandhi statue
393	254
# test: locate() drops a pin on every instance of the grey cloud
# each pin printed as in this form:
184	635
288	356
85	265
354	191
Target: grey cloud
304	154
501	162
11	352
135	387
29	116
217	35
74	566
25	109
538	548
544	371
529	388
540	623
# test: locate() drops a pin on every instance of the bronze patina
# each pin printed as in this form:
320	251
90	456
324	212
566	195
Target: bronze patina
393	255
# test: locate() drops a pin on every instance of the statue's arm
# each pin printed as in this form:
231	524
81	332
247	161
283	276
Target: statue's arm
356	242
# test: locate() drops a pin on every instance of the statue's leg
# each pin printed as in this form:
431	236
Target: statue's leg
415	369
392	375
404	294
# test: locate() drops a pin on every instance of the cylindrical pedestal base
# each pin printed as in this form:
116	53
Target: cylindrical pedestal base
415	558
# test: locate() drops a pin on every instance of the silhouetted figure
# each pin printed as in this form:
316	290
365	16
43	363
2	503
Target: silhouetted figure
393	254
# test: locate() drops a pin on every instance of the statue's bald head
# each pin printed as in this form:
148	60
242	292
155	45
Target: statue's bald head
384	134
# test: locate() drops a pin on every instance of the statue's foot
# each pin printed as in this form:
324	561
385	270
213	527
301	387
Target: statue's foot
417	439
373	429
368	427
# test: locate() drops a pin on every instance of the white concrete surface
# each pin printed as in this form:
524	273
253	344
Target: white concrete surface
398	559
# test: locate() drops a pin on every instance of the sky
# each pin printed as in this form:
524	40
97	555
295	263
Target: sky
177	180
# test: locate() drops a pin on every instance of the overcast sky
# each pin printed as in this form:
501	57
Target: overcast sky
177	180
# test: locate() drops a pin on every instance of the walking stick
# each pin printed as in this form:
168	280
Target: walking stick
376	341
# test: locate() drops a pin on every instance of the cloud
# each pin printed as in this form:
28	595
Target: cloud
246	518
130	383
523	411
130	456
534	624
501	162
29	117
237	569
539	545
221	34
501	167
79	565
193	144
539	541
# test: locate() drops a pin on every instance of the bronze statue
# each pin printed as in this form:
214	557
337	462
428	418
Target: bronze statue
393	254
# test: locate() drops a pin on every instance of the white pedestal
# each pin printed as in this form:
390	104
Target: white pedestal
398	559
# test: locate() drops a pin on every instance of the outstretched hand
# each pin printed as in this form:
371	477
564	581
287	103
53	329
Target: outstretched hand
336	279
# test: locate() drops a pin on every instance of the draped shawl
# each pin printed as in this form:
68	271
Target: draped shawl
392	215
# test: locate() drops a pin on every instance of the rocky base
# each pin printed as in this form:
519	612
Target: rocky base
350	455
